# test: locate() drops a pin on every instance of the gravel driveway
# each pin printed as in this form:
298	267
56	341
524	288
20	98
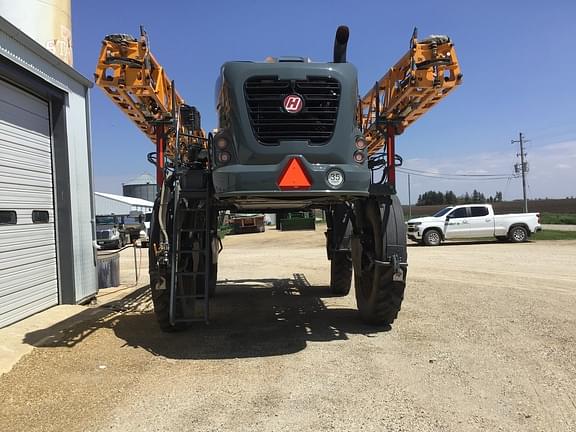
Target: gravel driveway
486	341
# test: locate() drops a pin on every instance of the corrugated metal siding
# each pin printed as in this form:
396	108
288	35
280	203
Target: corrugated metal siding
28	270
76	88
85	278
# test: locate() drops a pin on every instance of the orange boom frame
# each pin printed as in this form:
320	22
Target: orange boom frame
417	82
137	84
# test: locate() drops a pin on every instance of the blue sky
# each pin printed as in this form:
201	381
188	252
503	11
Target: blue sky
516	58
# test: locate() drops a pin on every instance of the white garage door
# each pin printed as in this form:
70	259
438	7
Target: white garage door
28	277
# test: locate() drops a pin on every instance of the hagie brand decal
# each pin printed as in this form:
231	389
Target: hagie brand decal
293	104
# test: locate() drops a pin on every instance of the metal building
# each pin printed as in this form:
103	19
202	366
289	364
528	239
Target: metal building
110	204
143	186
46	208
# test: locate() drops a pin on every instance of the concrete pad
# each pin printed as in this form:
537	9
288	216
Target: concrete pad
12	345
15	340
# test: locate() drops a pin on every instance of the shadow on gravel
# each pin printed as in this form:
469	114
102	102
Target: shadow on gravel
249	318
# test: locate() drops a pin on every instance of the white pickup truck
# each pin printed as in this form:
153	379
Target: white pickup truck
472	221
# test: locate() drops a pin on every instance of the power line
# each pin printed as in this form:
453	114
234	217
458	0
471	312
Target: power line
454	175
506	177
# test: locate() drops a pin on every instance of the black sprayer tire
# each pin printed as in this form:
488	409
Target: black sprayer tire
160	297
341	273
518	234
378	296
213	280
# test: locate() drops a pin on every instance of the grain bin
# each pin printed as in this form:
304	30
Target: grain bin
143	187
48	22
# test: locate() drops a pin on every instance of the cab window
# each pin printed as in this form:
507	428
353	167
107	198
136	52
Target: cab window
479	211
459	213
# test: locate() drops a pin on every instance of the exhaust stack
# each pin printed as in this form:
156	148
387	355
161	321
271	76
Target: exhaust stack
340	44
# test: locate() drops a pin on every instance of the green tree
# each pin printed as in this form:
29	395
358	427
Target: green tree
450	198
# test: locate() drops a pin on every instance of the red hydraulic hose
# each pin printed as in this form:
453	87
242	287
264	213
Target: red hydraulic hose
160	145
391	155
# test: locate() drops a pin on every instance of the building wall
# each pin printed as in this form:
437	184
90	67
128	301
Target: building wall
106	206
76	254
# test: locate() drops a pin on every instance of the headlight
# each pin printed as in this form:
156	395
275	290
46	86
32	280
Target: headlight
414	223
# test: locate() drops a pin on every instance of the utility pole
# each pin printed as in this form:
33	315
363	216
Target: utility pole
409	200
523	167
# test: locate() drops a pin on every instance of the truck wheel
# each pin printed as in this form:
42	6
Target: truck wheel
341	273
432	238
518	234
379	289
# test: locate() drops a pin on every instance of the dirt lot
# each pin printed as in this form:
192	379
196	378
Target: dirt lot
486	341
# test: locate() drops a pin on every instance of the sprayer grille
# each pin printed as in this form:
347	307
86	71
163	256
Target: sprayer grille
271	123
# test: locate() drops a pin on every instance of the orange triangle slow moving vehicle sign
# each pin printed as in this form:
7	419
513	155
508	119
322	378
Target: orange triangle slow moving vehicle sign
294	176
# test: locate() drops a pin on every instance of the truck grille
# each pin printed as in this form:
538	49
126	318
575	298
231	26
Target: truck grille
271	124
103	235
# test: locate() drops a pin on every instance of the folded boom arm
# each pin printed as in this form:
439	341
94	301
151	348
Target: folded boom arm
136	82
418	81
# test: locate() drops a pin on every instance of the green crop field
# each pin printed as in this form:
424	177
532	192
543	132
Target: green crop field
554	235
558	218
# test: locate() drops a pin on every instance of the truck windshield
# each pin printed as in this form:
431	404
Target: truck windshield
105	220
442	212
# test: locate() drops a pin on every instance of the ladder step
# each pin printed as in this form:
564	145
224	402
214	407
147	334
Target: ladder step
198	297
192	251
191	320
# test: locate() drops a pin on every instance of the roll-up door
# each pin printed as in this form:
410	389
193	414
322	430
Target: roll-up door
28	268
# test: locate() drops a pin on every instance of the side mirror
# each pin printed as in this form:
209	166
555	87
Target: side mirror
448	218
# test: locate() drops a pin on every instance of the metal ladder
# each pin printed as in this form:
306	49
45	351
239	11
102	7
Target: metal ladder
190	287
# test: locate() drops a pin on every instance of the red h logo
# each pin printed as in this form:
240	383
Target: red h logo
293	104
